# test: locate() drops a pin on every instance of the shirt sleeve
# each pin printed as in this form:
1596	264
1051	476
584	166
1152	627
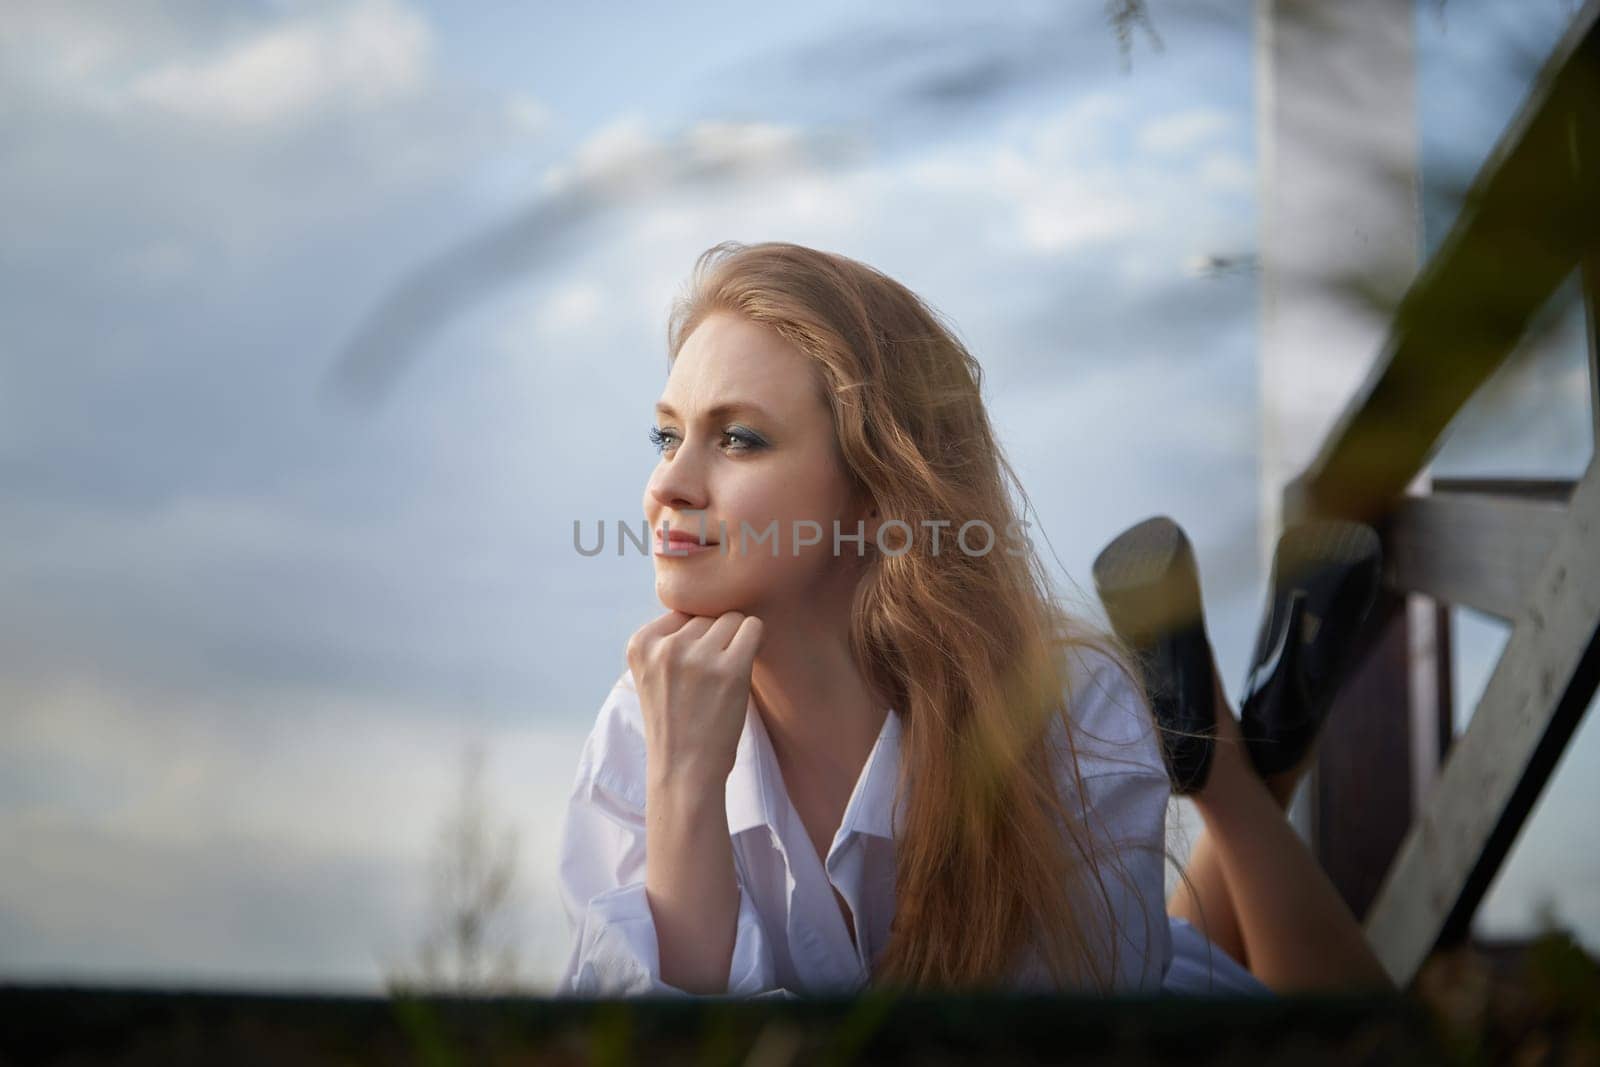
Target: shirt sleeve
1126	789
614	950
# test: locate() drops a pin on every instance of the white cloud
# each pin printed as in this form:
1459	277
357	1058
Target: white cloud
1183	131
1227	172
625	158
166	799
1059	181
1076	131
67	47
1060	211
528	115
160	262
717	138
667	222
357	55
616	141
570	307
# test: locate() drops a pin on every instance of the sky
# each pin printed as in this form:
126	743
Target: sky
326	320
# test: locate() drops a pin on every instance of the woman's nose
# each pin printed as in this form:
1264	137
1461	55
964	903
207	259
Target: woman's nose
678	482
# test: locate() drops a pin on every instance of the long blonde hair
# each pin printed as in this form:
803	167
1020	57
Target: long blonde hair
971	648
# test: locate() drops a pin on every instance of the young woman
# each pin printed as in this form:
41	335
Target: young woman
864	745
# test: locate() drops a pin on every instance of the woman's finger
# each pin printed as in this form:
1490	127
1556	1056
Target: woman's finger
647	635
662	625
695	628
722	630
746	641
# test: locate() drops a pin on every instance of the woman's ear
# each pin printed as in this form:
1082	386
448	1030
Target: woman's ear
864	508
870	519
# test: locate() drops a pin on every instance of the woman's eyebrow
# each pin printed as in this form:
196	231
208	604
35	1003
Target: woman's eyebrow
720	411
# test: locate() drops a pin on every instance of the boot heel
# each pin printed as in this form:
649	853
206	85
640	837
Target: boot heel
1325	577
1147	581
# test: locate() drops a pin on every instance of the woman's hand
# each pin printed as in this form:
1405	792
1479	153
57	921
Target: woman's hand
692	673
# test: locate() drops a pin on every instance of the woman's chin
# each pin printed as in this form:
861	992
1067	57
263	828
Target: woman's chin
676	594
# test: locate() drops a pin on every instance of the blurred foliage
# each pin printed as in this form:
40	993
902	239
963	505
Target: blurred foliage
135	1027
1537	1003
467	946
1532	1002
1125	17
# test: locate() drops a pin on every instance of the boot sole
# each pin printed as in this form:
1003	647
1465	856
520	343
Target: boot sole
1148	583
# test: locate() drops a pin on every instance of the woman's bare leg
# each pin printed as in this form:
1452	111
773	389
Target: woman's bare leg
1202	896
1254	878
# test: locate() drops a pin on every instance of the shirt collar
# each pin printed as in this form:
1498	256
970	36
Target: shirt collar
755	794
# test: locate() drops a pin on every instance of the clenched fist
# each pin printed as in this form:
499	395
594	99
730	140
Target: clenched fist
693	677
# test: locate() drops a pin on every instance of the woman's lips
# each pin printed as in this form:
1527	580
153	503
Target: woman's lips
680	546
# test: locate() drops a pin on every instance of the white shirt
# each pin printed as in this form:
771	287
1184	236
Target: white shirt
791	937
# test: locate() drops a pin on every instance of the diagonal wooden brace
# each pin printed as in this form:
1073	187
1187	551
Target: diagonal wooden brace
1495	772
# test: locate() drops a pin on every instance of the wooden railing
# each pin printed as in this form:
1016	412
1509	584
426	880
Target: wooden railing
1525	551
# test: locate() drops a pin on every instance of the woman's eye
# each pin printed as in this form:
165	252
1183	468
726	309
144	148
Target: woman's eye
661	438
737	440
745	442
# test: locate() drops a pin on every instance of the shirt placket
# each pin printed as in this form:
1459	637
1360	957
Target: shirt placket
826	961
845	871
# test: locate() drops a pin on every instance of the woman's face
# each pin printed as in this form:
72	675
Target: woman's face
746	439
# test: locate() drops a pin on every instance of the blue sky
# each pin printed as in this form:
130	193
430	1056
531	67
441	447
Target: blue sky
246	627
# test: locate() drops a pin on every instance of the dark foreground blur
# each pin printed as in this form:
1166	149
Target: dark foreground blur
1536	1002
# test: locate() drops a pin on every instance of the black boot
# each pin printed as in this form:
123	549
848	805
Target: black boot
1147	581
1325	576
